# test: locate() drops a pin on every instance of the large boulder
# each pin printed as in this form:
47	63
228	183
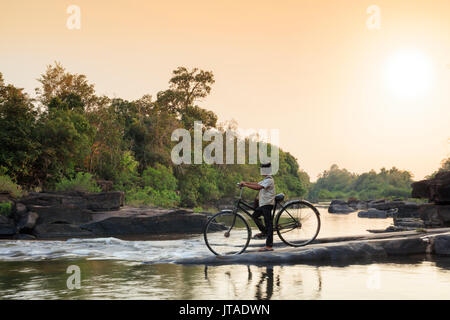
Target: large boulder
27	222
338	206
409	223
375	213
435	190
442	244
435	215
55	199
7	227
357	204
387	205
59	230
179	221
408	210
102	201
61	214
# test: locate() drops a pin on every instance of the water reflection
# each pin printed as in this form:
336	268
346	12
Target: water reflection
267	292
269	281
406	278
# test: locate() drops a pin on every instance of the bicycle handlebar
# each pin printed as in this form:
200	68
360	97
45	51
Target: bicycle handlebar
242	189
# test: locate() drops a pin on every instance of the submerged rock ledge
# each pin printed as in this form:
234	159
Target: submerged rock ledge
402	244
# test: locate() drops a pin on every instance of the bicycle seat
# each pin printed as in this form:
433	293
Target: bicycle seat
279	197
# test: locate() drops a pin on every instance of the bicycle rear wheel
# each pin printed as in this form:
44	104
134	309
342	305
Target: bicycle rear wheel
298	223
227	233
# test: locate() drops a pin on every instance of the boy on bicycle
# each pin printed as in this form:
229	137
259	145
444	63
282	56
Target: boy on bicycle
266	198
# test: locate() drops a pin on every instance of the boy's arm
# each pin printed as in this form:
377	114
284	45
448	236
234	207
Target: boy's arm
252	185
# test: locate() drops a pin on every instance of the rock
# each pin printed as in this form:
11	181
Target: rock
373	203
406	246
408	210
443	212
338	206
21	209
387	205
7	227
342	252
27	222
61	214
59	230
435	215
357	204
102	201
373	213
436	190
442	244
55	199
409	223
179	221
24	236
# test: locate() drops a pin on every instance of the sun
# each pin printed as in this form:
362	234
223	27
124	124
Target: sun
408	74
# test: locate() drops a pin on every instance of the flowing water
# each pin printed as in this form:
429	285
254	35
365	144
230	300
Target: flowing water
111	268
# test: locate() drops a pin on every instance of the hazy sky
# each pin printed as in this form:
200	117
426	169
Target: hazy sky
337	91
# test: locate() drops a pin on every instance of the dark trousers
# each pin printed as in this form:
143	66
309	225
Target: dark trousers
267	227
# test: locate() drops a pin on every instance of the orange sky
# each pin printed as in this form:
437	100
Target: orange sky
311	69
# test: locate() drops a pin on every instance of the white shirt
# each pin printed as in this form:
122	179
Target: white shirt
267	194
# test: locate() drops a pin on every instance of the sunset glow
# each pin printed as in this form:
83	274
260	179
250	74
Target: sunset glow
409	74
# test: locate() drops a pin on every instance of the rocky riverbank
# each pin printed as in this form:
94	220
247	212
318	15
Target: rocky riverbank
407	214
65	215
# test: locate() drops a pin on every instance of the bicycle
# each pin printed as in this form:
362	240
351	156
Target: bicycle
297	224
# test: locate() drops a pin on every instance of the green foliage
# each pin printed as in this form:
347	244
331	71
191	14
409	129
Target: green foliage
80	182
339	183
65	137
19	148
5	208
159	178
128	142
149	196
7	185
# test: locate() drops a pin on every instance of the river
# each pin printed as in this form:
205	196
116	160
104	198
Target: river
128	269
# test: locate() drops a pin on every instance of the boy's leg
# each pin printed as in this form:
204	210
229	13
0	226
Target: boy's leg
258	213
269	224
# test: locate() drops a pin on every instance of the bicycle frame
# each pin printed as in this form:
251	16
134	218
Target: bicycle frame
244	206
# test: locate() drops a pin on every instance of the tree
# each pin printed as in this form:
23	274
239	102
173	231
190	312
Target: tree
18	146
192	85
65	137
56	82
185	88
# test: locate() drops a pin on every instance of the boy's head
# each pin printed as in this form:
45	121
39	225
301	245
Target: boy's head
266	169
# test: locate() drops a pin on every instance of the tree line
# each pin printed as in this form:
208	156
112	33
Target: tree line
67	137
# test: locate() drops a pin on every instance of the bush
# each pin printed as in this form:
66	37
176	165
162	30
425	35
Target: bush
159	178
7	185
5	209
81	182
149	196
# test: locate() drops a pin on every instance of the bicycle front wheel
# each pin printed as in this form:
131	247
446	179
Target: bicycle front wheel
298	223
227	233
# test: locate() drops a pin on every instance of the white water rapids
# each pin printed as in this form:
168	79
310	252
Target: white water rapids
161	251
